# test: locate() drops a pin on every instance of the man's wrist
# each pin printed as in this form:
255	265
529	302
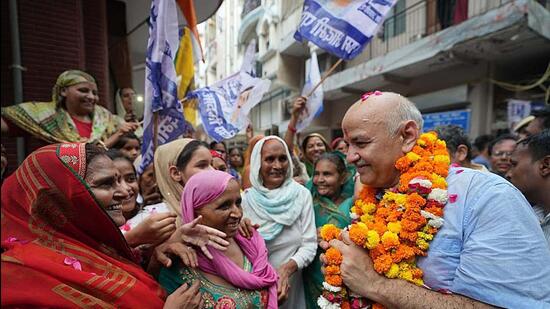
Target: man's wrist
379	289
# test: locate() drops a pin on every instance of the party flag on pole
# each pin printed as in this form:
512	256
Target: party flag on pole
163	116
342	28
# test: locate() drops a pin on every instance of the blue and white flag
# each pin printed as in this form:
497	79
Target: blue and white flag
224	106
342	29
314	104
161	81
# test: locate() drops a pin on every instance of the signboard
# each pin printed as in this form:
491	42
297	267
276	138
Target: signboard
519	109
459	117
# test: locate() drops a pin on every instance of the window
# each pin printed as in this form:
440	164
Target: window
395	22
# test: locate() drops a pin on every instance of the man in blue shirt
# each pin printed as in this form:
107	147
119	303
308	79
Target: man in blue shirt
486	254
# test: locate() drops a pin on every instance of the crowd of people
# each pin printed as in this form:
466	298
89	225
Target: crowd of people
205	226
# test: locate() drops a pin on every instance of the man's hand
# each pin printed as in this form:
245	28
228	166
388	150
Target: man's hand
356	269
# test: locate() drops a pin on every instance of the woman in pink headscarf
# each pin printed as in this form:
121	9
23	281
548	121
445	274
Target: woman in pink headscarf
241	276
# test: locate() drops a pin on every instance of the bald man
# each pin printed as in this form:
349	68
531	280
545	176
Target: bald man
487	252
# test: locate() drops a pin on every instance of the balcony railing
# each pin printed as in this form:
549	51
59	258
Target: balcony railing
414	19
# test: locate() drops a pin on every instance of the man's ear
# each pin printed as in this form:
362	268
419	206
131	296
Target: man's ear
175	174
461	153
544	166
410	132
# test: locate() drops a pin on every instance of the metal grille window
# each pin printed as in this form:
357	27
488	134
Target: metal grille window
396	22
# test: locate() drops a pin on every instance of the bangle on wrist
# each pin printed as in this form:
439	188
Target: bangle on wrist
292	129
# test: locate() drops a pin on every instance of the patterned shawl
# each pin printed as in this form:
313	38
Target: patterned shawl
50	121
61	249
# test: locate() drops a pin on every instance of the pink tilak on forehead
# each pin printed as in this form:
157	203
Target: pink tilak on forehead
366	95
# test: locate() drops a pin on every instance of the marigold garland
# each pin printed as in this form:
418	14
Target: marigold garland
396	229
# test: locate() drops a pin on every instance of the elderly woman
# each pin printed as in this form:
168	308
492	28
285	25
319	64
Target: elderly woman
283	209
239	277
73	115
332	191
62	247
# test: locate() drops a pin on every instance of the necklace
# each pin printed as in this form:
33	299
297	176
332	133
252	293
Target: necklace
395	225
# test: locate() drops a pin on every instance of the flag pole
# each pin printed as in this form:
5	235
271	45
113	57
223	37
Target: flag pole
332	68
155	130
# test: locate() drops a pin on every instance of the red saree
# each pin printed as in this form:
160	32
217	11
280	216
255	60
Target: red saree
61	248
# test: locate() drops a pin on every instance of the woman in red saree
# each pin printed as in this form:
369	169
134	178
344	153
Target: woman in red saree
61	244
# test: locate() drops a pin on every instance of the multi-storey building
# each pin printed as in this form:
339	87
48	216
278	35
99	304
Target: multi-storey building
446	56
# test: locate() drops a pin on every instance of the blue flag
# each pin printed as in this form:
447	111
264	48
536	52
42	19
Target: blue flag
161	81
224	106
342	30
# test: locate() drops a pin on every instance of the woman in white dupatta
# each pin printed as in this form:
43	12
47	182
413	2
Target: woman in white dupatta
283	209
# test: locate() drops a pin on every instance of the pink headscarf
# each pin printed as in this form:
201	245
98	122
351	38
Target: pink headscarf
203	188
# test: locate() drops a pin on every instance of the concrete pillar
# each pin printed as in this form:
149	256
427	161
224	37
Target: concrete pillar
480	96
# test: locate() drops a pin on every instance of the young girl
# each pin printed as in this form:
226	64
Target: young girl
129	145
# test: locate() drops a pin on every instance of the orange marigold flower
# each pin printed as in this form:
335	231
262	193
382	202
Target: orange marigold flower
332	270
423	166
403	252
417	273
345	305
420	151
415	200
402	163
367	195
376	252
334	280
382	263
358	234
382	212
333	256
434	210
356	209
329	232
411	225
378	225
408	235
390	240
394	215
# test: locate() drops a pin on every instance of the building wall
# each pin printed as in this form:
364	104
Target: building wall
284	64
54	36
